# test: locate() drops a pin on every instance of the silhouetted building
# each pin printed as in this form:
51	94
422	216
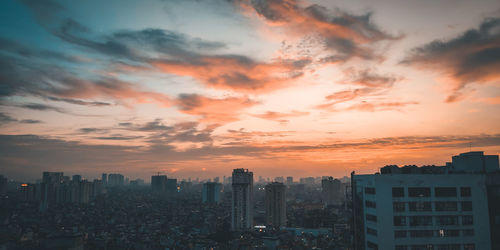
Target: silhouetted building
211	192
158	183
451	207
289	180
76	178
48	187
115	180
3	185
104	179
307	180
52	177
331	191
242	200
275	204
171	186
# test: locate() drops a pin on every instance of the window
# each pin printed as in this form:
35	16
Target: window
372	245
446	206
421	233
420	221
467	220
420	206
398	206
421	247
370	190
371	231
448	233
399	220
401	247
466	205
370	204
398	192
448	247
370	217
469	247
419	192
445	192
468	232
447	220
465	192
400	234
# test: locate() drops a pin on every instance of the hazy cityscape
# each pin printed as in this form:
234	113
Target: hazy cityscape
456	206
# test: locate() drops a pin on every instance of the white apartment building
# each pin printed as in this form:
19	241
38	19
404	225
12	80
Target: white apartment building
427	208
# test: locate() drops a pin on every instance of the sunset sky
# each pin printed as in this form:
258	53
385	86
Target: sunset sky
194	88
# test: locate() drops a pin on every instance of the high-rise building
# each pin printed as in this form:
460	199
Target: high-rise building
52	177
450	207
171	186
76	178
211	192
289	180
279	179
3	185
275	204
48	187
115	180
242	200
158	183
331	191
104	179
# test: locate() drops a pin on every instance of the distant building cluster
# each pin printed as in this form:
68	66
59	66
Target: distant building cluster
452	207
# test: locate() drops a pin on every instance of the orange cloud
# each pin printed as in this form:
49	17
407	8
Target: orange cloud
237	73
211	110
279	116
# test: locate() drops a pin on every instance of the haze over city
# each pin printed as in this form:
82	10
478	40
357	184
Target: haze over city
284	88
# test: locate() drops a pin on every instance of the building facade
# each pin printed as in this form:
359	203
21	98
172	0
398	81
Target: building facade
275	204
413	208
158	183
211	192
242	200
331	191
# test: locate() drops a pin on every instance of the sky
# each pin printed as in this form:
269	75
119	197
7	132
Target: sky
196	88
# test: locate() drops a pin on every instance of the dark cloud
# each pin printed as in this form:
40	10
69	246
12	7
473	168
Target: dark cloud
41	107
51	82
91	130
472	57
175	53
154	126
118	138
16	48
369	78
30	121
346	35
79	102
4	118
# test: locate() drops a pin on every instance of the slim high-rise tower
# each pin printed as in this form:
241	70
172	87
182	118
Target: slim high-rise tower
276	204
242	202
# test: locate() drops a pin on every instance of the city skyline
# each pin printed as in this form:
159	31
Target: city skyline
316	88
